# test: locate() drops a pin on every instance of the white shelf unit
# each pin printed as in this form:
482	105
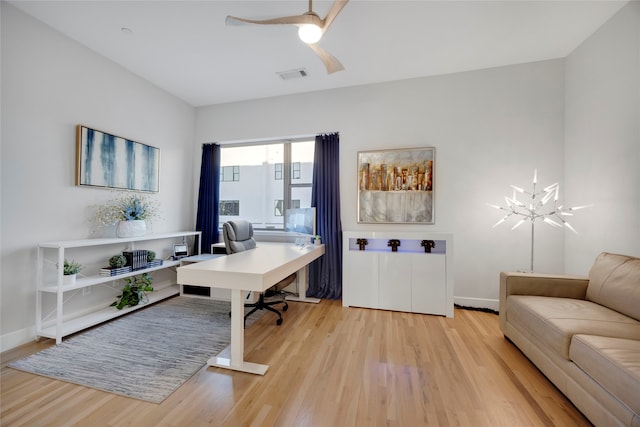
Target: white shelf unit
408	279
46	285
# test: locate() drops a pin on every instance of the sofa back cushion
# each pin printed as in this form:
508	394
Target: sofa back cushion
614	282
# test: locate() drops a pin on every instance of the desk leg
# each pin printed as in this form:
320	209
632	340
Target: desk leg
303	274
236	361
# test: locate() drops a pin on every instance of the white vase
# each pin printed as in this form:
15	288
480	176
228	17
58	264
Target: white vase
69	279
133	228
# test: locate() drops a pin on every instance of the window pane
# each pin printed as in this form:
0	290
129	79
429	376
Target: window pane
295	170
229	207
302	153
301	195
258	189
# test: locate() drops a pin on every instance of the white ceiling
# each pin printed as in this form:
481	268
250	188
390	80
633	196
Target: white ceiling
185	47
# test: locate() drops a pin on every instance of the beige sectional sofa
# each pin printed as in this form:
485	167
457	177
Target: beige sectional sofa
583	333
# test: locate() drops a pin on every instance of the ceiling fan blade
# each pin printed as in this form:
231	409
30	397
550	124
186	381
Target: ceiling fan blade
330	61
306	18
336	7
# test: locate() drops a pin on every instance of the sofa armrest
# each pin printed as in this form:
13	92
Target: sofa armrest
548	285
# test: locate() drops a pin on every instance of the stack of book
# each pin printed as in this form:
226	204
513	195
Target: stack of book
137	259
154	263
108	271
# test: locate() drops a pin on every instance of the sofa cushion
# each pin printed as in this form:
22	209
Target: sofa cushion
614	363
554	321
614	281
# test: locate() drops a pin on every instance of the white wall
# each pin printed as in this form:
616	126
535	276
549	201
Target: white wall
49	85
602	148
491	128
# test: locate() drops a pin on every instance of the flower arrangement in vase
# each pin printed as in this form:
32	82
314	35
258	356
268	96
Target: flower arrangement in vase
130	212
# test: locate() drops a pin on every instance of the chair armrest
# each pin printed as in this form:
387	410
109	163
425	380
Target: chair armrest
548	285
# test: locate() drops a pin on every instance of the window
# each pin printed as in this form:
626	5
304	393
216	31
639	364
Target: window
279	206
275	177
229	207
295	170
229	173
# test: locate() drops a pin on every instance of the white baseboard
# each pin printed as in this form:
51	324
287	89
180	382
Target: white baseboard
492	304
17	338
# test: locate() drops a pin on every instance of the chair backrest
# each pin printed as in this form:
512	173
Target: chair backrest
238	236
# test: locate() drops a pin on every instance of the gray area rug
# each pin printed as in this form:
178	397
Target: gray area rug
146	355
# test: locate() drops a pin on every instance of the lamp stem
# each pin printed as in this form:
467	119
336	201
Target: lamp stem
532	234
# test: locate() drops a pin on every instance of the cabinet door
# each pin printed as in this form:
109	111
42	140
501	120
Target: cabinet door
429	284
360	279
395	281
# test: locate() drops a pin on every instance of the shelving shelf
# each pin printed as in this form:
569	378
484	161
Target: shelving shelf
83	282
55	285
77	324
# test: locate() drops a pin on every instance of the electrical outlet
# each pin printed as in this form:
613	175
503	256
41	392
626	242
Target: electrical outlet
86	291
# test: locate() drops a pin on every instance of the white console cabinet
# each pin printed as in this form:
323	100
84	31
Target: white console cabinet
50	280
407	279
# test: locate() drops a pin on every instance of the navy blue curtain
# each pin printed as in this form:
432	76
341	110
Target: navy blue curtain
209	196
325	274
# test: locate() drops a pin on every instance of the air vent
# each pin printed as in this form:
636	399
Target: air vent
293	74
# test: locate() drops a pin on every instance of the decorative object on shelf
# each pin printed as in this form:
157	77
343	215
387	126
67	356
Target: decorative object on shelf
109	161
109	271
134	292
394	243
137	259
428	245
70	271
152	261
362	243
537	208
117	261
130	212
132	228
396	186
316	239
117	265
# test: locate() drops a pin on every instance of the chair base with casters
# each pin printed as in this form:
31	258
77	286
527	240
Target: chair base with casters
238	237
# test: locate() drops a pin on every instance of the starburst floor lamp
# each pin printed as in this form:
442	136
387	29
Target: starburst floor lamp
536	207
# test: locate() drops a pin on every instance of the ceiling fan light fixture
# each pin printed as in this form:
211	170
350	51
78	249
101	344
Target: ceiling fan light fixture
310	33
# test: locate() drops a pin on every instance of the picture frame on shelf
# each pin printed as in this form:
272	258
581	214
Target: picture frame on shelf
396	186
109	161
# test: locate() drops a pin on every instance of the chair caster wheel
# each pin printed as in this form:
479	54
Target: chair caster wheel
279	322
285	308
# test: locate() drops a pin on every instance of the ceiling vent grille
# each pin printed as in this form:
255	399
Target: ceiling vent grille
293	74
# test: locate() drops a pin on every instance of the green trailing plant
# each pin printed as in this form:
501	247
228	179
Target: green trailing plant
117	261
151	255
134	291
72	267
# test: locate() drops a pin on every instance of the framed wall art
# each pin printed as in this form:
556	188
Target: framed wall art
396	186
105	160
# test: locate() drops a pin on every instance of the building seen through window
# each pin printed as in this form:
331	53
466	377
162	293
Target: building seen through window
275	177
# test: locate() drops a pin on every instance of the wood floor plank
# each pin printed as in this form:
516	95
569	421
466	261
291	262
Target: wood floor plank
328	366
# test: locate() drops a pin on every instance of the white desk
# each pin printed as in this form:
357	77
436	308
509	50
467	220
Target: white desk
253	270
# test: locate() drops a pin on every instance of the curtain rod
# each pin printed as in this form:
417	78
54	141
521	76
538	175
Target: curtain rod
260	141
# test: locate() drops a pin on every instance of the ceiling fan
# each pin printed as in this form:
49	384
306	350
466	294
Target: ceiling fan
311	29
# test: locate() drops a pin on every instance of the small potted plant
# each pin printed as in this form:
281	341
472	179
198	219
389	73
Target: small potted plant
117	265
70	271
316	239
134	292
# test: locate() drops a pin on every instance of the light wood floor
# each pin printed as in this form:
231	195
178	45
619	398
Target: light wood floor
329	366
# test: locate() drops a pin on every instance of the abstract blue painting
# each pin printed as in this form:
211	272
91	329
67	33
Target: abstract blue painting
105	160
